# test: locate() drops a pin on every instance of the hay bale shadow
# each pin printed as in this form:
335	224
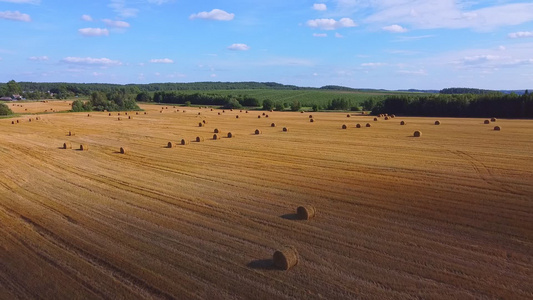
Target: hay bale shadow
292	217
262	264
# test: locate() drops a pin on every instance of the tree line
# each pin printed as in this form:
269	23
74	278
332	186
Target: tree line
463	105
100	101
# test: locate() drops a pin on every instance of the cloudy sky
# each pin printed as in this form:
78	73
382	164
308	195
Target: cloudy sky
390	44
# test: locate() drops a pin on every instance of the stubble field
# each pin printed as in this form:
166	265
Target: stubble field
444	216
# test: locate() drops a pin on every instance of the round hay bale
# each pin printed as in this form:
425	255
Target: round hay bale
237	116
110	114
393	116
224	111
119	114
216	130
70	133
170	145
129	117
497	128
358	126
67	145
219	114
257	131
386	118
493	120
200	124
402	123
344	126
241	110
122	150
246	111
285	258
215	136
417	133
310	116
259	116
230	135
231	109
203	121
285	129
199	139
12	122
84	147
348	115
302	112
119	118
136	113
375	119
199	113
305	212
437	122
184	142
273	125
311	120
145	113
126	113
266	116
486	122
368	125
18	121
29	120
211	109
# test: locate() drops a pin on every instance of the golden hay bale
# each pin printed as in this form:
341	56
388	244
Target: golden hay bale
273	125
166	107
145	113
305	212
119	118
122	150
285	129
110	114
199	113
29	120
257	131
259	116
216	130
344	126
230	135
223	111
70	133
136	113
368	125
84	147
358	126
310	116
119	114
215	136
88	115
170	145
437	122
200	124
285	258
237	116
493	120
302	112
199	139
126	113
417	133
211	109
67	145
129	117
184	142
497	128
266	116
486	122
393	116
386	118
203	121
12	122
348	115
231	109
241	110
160	111
311	120
18	121
219	114
402	123
246	111
375	119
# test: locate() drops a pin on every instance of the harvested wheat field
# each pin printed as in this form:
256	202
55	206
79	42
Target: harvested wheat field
447	215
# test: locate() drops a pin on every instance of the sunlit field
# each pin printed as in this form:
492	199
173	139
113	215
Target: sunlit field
447	215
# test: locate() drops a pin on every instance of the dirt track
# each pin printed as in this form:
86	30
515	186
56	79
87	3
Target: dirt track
445	216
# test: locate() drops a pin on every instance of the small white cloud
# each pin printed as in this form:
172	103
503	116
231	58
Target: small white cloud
521	34
15	16
331	24
94	31
239	47
373	64
315	74
38	58
157	74
215	14
338	35
158	2
116	24
320	6
420	72
394	28
320	34
119	6
213	75
162	61
91	61
502	48
86	18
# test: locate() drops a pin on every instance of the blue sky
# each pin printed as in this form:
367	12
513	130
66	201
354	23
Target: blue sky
390	44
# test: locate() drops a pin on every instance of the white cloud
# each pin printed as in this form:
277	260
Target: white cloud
420	72
320	6
15	16
213	75
215	14
394	28
320	34
373	64
119	6
22	1
116	24
239	47
452	14
521	34
331	24
94	31
338	35
162	61
159	2
91	61
86	18
38	58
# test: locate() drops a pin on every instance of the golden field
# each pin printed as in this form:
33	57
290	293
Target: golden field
448	215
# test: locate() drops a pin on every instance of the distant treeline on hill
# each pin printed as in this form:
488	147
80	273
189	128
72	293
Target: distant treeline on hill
466	91
465	105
